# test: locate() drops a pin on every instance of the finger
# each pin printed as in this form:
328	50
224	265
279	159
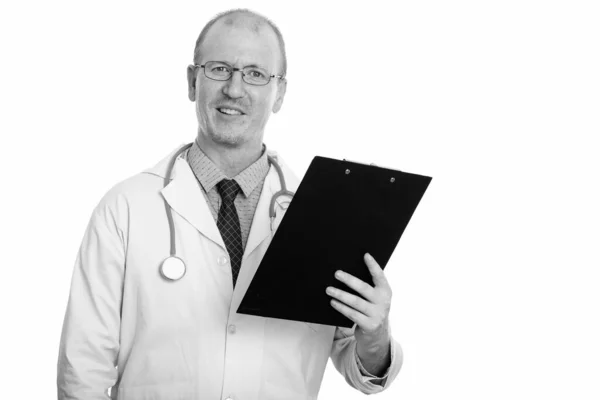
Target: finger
376	271
352	314
351	300
361	287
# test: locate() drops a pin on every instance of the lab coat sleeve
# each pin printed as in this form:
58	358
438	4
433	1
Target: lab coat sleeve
346	361
89	342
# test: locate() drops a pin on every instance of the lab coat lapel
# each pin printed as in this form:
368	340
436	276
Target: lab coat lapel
184	196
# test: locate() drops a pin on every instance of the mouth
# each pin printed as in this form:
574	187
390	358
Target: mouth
230	111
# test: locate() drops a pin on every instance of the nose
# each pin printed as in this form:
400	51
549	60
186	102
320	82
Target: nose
234	87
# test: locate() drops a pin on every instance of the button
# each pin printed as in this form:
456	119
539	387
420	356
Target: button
231	329
222	260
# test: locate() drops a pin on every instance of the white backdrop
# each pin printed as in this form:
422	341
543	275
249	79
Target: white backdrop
496	278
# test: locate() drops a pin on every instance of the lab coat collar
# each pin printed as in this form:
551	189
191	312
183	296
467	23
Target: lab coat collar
160	169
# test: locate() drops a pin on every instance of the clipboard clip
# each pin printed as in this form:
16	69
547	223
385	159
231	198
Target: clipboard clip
392	179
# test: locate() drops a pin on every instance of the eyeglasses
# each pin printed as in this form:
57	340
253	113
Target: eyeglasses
221	71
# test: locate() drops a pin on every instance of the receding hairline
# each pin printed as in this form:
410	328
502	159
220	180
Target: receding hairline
248	19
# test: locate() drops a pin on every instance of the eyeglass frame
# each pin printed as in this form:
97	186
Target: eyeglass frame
233	69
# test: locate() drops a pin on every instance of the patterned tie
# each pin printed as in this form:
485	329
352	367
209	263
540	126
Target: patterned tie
228	223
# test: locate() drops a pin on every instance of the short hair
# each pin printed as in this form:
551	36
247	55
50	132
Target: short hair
260	20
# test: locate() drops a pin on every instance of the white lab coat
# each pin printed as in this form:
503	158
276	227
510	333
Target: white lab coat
183	340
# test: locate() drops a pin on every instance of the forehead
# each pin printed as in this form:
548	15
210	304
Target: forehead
241	43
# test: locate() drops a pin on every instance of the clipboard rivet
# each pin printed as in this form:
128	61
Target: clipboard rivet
392	179
347	171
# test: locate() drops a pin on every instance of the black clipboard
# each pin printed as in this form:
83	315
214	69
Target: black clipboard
340	211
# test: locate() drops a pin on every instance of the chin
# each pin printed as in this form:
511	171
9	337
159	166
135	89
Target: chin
227	138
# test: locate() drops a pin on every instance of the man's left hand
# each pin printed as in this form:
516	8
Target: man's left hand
370	312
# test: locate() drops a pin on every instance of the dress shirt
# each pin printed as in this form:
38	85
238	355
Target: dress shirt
250	180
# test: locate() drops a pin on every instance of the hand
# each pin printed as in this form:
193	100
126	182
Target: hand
370	312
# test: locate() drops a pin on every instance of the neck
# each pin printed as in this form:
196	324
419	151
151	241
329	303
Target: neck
230	159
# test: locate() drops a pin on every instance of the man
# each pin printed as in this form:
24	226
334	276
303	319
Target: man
131	328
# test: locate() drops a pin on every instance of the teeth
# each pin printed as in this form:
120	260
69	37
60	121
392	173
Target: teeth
229	111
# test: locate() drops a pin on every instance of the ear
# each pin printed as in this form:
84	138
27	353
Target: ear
281	87
191	78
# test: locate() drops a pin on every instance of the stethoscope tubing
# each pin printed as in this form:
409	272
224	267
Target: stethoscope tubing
173	249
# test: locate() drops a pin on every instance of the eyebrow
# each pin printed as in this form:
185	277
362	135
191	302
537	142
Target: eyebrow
249	65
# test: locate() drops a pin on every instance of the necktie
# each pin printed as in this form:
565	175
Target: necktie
228	223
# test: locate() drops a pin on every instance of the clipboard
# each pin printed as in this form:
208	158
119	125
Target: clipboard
340	211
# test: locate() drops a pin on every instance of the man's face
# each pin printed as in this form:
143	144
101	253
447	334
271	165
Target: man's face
233	112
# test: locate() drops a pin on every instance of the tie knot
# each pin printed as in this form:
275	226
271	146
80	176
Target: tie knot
228	189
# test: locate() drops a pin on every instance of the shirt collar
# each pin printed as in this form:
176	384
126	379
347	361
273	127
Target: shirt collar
208	174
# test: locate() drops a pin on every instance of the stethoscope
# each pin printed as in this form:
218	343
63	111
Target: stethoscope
173	268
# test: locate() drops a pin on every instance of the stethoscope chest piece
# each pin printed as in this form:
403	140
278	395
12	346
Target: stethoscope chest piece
173	268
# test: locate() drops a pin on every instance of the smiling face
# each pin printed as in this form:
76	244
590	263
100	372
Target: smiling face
234	113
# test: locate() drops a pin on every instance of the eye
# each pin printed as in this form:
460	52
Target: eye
256	74
220	69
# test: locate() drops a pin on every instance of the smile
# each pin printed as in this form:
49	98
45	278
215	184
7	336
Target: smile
229	111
